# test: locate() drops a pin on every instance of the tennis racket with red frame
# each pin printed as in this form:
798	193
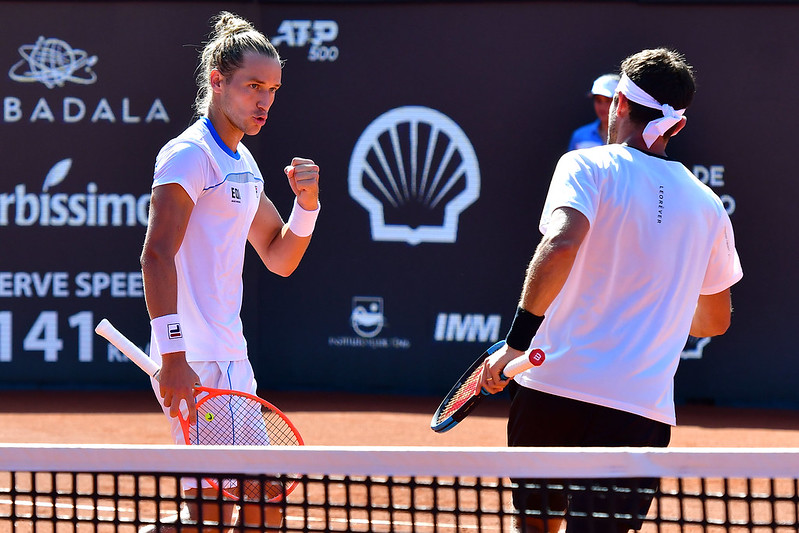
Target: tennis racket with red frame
224	417
467	392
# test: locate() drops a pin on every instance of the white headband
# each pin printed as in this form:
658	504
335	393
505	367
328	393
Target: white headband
659	126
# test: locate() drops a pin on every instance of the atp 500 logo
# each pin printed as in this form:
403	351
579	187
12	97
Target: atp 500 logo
317	34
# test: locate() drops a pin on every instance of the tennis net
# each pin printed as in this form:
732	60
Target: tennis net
45	488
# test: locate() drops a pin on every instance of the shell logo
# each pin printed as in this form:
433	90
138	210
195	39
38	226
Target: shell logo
415	171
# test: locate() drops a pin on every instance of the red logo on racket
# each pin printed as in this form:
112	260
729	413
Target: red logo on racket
537	357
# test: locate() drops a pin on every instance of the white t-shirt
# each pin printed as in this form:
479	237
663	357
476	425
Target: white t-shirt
225	188
658	239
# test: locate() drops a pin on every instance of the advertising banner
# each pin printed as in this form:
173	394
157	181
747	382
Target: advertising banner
437	128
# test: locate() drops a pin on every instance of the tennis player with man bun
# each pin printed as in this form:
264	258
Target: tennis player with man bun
208	201
636	255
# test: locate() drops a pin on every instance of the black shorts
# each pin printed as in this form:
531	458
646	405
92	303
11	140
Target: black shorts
540	419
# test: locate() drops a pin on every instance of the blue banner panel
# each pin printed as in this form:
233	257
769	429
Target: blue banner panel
437	127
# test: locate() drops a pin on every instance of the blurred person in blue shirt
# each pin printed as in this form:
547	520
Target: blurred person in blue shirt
596	133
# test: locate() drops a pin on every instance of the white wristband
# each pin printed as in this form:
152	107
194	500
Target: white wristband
168	334
302	222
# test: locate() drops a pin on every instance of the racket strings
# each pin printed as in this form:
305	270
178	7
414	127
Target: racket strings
253	490
230	419
468	389
280	433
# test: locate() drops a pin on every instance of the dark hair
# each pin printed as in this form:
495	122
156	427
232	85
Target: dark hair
232	37
665	75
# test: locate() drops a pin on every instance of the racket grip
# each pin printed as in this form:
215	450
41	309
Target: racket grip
522	363
131	351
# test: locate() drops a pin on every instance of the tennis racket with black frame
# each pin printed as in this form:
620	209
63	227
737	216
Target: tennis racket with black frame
467	392
224	417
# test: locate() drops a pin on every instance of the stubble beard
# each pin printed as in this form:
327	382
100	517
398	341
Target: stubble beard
611	131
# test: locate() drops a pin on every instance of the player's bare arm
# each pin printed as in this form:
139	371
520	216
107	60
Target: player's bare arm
170	208
712	315
546	274
553	259
277	245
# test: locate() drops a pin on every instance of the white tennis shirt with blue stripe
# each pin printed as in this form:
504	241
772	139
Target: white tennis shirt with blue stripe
225	187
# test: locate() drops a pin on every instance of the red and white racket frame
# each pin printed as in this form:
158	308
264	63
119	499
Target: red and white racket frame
106	330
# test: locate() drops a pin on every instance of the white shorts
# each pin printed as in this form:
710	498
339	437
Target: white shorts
234	375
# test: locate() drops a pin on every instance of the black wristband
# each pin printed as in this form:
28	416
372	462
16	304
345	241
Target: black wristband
523	329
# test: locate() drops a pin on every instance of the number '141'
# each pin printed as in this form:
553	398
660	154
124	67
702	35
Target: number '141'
43	335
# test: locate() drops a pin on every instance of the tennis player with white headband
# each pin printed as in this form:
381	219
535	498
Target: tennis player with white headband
636	254
658	127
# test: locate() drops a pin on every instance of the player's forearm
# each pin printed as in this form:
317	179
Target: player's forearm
712	315
285	252
553	259
160	284
701	327
547	273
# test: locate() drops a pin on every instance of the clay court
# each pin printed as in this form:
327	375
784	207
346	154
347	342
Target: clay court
339	419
